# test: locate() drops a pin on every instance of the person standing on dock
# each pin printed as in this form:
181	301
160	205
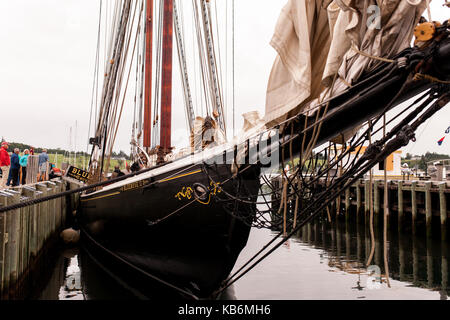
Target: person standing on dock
15	167
43	161
4	164
23	164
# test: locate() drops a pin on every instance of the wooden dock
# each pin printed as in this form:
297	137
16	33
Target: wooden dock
414	206
27	234
411	204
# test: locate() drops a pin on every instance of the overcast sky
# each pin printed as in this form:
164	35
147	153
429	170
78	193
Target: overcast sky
47	63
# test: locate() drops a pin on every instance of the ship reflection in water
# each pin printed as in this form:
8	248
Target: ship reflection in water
323	261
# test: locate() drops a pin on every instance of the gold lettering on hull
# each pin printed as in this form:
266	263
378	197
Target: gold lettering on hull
134	185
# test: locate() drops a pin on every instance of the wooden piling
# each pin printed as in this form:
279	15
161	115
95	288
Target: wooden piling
338	239
42	221
400	206
358	202
367	244
414	206
316	233
63	205
443	210
415	261
428	208
444	265
359	243
32	169
52	207
23	243
59	207
30	193
366	201
3	239
430	276
378	250
401	256
324	233
347	204
347	242
376	203
12	245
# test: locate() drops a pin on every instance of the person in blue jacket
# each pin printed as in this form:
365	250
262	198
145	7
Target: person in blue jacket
23	164
15	167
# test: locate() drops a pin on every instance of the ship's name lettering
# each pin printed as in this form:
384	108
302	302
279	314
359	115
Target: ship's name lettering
78	174
134	185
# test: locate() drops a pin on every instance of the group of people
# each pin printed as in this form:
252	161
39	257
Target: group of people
14	164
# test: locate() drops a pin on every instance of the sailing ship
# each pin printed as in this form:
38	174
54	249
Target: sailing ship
176	221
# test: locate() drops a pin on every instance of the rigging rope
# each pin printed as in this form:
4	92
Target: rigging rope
355	170
354	48
335	190
420	76
386	213
372	234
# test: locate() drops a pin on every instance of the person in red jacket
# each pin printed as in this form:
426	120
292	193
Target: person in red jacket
5	163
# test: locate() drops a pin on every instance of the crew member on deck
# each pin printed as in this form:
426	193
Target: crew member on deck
117	172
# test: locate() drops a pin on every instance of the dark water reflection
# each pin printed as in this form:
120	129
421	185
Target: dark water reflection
323	261
328	261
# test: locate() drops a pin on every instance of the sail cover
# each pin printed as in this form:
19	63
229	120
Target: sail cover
317	41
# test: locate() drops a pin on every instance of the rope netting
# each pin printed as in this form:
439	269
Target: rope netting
287	201
312	183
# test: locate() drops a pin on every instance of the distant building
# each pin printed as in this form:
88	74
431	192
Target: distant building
439	170
393	163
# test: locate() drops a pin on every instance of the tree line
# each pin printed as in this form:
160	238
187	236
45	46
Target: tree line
22	146
421	161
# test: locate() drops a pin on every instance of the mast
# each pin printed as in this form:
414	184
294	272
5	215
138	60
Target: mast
148	76
183	67
215	86
166	82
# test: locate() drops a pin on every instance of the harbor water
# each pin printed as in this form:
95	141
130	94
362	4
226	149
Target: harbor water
325	261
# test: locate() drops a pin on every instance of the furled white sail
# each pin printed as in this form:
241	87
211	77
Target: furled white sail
316	42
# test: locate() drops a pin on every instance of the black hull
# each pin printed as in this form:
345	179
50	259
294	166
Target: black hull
160	233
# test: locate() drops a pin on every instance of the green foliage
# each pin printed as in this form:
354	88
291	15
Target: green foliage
37	150
59	155
81	161
422	162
